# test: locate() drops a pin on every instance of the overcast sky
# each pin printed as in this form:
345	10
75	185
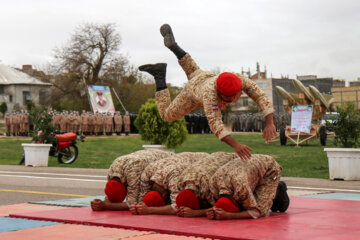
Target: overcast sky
320	37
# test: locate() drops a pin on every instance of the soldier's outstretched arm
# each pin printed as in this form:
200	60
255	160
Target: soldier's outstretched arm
242	150
99	205
220	214
142	209
188	212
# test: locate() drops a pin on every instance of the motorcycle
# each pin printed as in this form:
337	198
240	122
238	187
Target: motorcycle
64	148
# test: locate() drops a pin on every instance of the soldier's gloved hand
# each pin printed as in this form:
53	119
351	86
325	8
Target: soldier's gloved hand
243	151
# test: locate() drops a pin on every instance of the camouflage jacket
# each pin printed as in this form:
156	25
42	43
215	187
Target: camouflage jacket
128	169
197	176
251	183
166	171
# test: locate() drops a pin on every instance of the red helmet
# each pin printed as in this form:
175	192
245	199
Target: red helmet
115	191
226	204
153	199
228	84
187	198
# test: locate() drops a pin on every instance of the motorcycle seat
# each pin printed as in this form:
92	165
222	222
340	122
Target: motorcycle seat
66	137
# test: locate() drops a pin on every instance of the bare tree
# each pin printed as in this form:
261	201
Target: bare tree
89	50
92	53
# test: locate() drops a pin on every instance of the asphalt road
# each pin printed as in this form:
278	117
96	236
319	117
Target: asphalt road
20	184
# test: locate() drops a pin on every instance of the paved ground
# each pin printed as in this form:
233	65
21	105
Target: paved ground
23	184
20	184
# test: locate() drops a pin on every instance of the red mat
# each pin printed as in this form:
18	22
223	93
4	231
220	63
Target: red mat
307	218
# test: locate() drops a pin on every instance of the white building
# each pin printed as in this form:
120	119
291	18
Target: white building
18	88
264	83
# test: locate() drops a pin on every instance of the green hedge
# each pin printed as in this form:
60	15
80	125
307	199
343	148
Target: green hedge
156	131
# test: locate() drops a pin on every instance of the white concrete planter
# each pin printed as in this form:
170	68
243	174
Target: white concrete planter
158	147
344	163
36	154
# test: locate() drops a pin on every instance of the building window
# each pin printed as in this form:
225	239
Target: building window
242	102
2	89
10	98
261	85
26	97
245	102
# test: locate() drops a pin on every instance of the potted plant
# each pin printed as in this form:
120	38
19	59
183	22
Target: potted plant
162	135
37	152
344	163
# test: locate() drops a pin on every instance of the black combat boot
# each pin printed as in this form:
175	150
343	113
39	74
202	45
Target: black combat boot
169	41
281	201
158	70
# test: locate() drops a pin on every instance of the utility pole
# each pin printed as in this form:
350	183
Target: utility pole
119	99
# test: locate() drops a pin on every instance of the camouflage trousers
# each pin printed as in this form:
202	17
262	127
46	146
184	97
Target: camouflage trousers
183	103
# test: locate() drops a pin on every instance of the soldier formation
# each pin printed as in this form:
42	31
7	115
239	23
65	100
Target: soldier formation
88	123
17	123
193	184
255	122
244	122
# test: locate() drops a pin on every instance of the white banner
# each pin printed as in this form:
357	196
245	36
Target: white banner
301	118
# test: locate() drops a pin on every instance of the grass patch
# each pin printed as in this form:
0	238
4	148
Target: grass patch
99	152
2	128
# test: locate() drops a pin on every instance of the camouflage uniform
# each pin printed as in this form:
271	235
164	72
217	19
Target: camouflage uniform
62	122
91	123
118	122
78	122
7	123
252	183
197	176
67	121
128	169
166	171
103	123
201	92
97	123
72	122
57	120
84	122
21	122
15	123
127	123
108	121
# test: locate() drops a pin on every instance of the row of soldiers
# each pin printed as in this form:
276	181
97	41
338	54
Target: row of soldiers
88	123
17	123
92	124
197	123
245	122
249	122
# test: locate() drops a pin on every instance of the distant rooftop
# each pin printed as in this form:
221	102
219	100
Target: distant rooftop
306	77
9	75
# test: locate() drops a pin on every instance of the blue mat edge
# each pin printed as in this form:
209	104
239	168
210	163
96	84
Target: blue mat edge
24	224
